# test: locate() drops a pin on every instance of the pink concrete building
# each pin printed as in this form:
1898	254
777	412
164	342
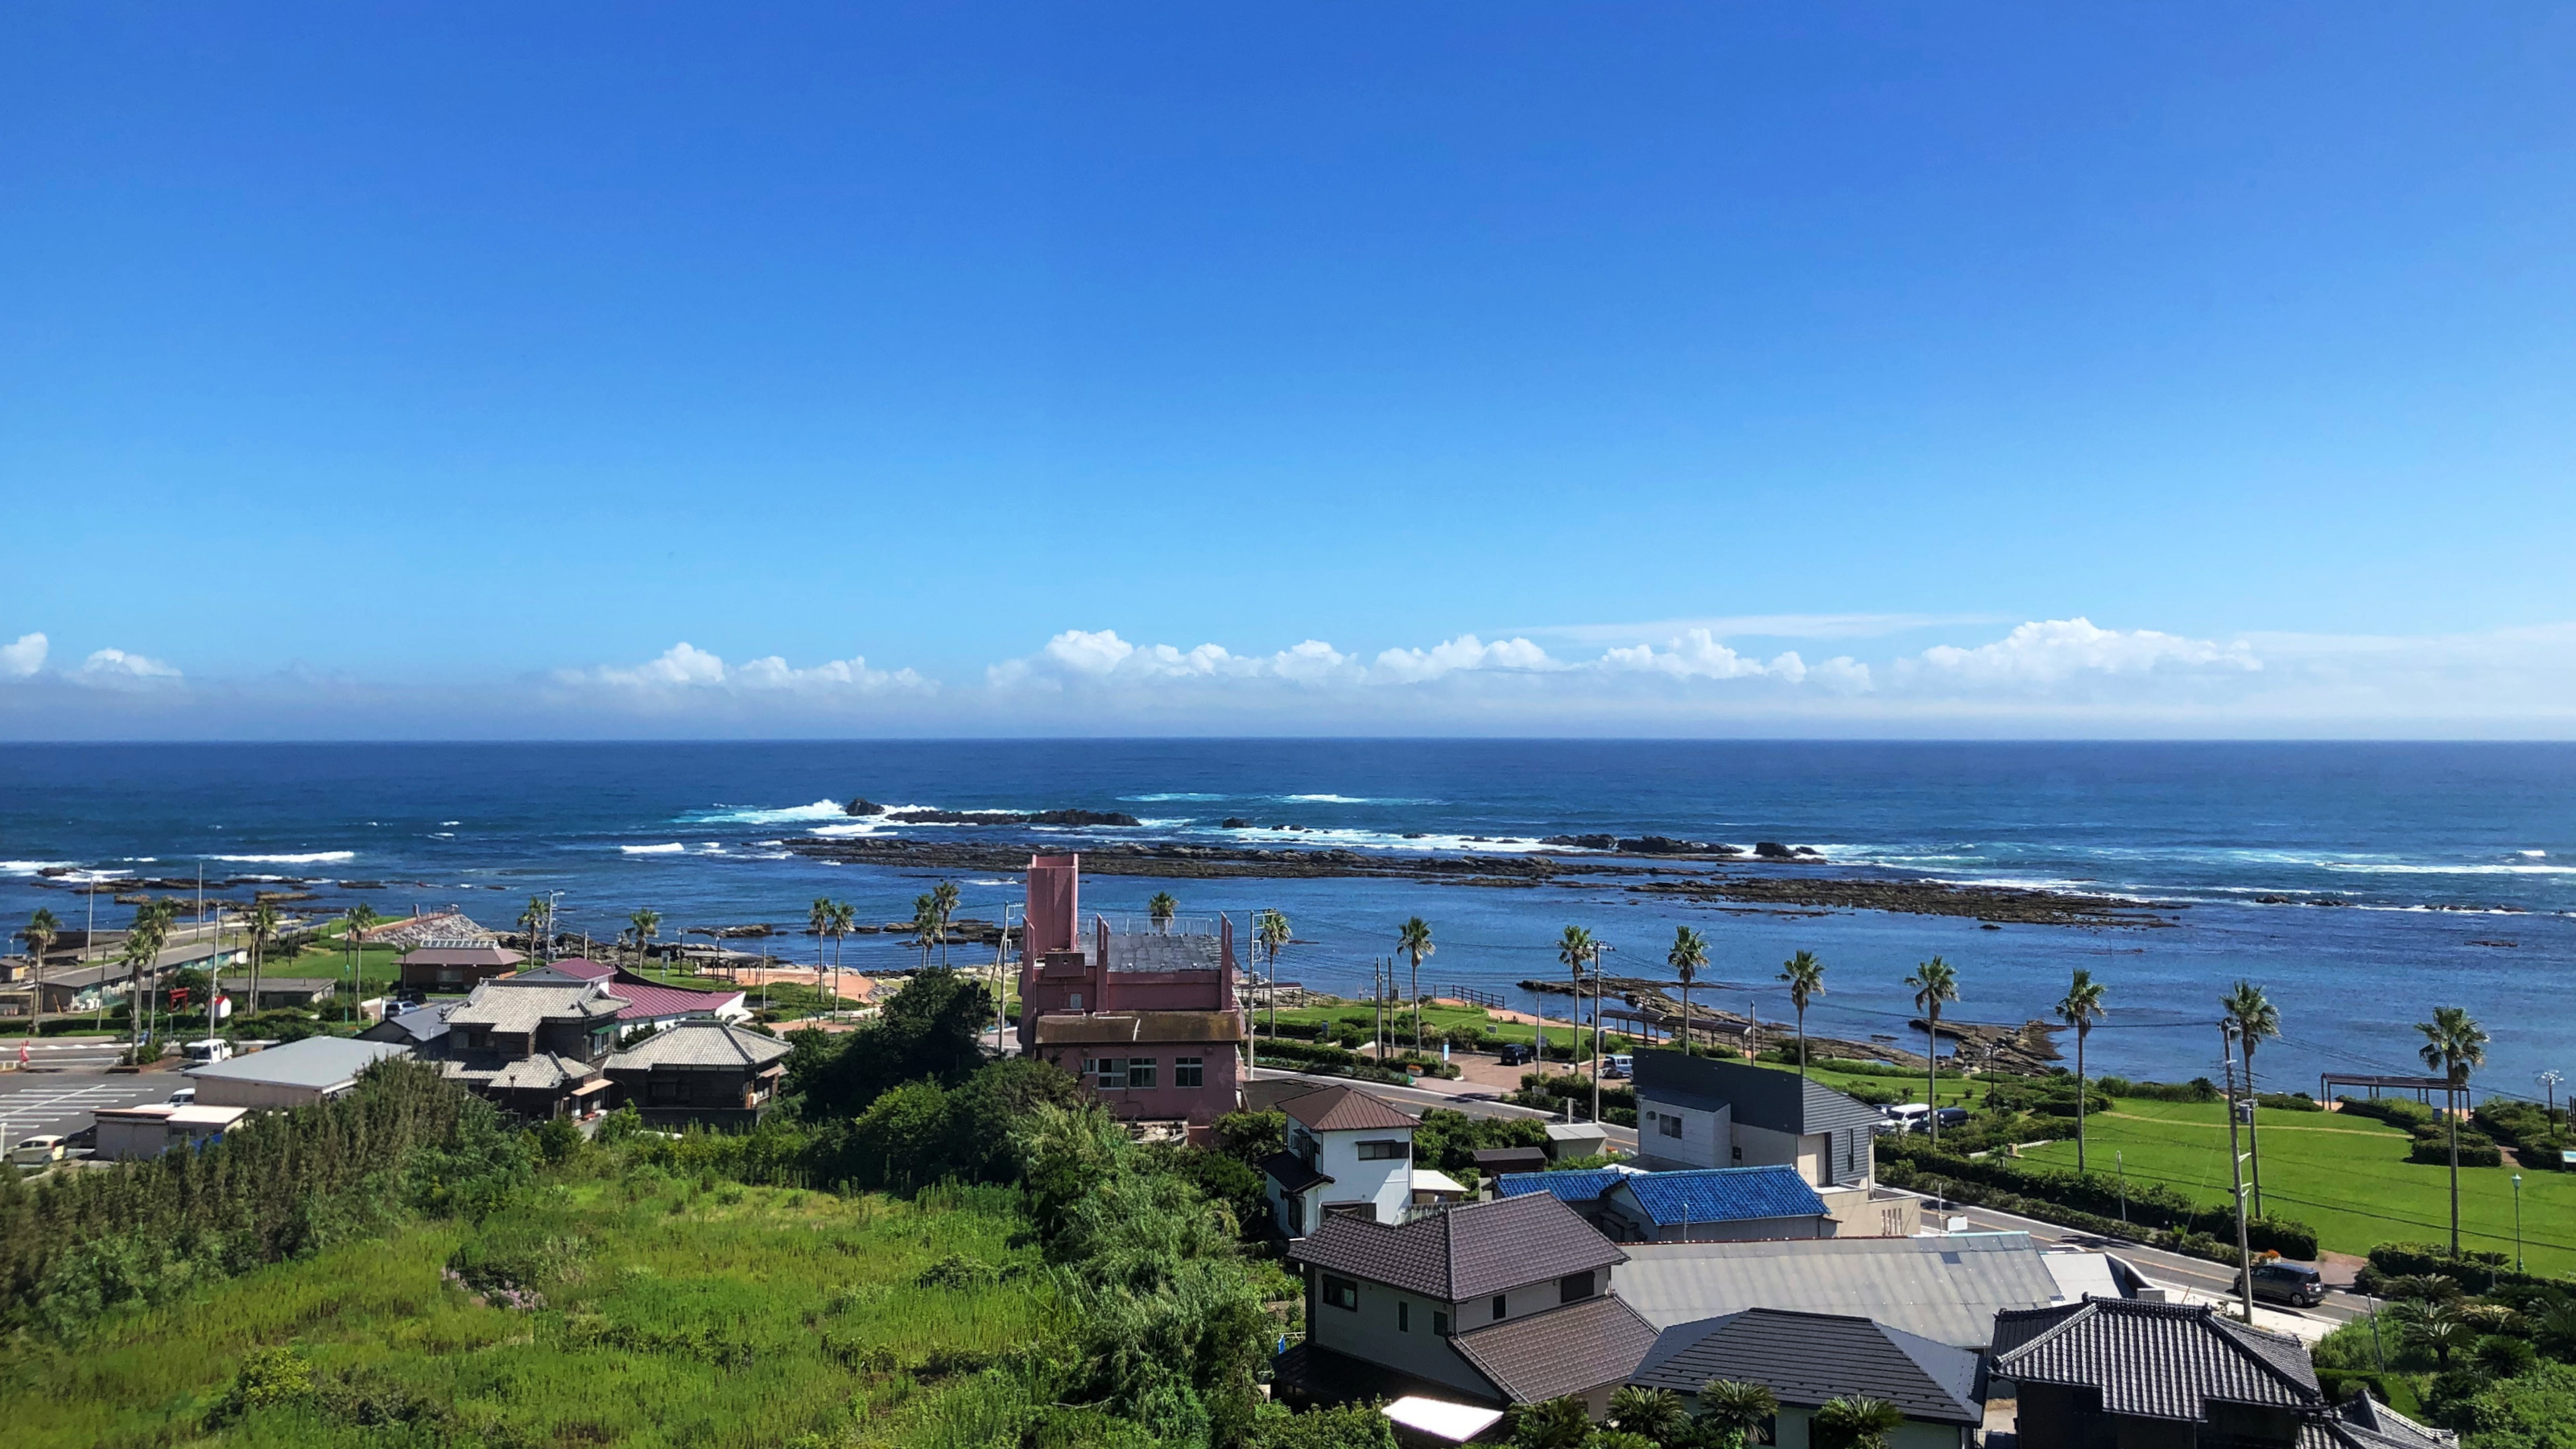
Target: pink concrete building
1143	1011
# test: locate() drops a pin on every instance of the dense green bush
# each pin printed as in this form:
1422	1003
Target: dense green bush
2288	1102
1448	1141
2198	1089
2475	1271
2516	1123
2433	1145
2396	1111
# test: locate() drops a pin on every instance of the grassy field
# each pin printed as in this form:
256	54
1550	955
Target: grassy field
2347	1177
678	1315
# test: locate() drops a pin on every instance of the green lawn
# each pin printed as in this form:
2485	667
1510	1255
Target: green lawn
686	1317
2347	1177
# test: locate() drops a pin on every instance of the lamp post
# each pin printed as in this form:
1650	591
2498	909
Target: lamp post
2121	1161
2517	1222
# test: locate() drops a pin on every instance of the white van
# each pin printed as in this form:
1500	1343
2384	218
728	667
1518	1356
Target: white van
1906	1116
204	1053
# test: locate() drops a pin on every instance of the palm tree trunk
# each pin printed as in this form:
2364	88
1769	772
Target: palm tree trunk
1686	1042
2080	1090
1932	1076
1802	1043
2451	1111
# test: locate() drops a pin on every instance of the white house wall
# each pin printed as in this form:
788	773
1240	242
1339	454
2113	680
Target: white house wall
1705	1141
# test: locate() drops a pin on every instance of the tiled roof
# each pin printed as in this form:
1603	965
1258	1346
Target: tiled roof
1723	1195
1948	1289
1291	1172
2365	1423
421	1023
520	1003
1467	1251
450	953
437	927
1340	1109
1140	1028
542	1072
701	1042
1586	1185
1810	1358
575	968
1566	1350
2154	1360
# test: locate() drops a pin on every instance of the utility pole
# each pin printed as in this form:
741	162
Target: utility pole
2549	1081
1597	979
2236	1169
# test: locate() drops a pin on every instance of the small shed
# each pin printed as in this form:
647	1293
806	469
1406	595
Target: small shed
297	1074
131	1134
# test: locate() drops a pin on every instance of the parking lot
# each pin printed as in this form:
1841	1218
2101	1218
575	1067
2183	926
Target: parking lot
60	1100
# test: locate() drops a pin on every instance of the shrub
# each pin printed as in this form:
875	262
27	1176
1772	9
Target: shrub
2433	1146
2395	1111
2095	1197
2514	1123
2476	1272
2288	1102
2198	1089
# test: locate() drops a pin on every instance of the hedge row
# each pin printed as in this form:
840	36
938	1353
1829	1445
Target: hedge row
1317	1054
1972	1194
2476	1272
2151	1205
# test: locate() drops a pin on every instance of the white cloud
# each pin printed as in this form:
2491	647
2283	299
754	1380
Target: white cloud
1697	654
684	668
1763	626
116	669
23	658
1466	652
1079	658
2045	652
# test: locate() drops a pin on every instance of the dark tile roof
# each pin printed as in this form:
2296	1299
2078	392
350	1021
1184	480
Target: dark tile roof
1768	1097
1567	1350
1466	1251
1512	1159
1722	1195
2154	1360
701	1042
1340	1109
1582	1185
2363	1422
1809	1358
1140	1028
1291	1172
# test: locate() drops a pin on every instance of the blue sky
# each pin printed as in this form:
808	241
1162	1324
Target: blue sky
444	369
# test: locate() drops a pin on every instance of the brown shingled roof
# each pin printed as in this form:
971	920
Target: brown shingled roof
1566	1350
1467	1251
1339	1109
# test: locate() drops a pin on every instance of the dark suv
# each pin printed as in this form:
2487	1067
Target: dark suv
2290	1283
1512	1054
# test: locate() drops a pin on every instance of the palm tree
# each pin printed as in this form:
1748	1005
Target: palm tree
1559	1423
1413	938
1806	977
1576	950
264	922
1738	1407
361	917
927	929
1270	930
2254	1018
818	919
2435	1324
1854	1421
845	918
1656	1414
41	930
647	924
2455	1045
2082	1003
538	920
143	942
943	899
1161	907
1934	981
1688	957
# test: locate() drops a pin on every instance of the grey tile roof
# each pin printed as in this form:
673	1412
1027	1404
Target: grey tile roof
1760	1096
316	1061
420	1024
543	1072
2154	1360
1341	1109
1947	1289
2365	1423
1566	1350
1810	1358
517	1004
1467	1251
701	1043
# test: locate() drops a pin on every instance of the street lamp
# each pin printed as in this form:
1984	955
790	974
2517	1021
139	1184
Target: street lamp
2121	1161
2517	1222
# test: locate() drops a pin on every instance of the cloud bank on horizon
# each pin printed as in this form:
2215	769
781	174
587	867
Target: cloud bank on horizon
2039	678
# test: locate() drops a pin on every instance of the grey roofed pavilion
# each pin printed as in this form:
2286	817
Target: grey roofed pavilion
319	1062
1947	1289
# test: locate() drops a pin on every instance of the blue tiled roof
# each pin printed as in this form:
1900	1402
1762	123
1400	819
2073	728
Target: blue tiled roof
1586	1186
1723	1194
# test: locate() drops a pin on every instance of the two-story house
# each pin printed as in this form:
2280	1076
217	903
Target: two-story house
533	1044
1695	1111
1347	1152
1501	1302
702	1071
2124	1373
1143	1011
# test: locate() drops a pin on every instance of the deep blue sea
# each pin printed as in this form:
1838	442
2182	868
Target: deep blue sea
692	830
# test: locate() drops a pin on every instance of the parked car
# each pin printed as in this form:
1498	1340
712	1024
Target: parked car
1953	1116
1907	1116
1513	1054
1618	1067
37	1151
185	1096
202	1053
2293	1283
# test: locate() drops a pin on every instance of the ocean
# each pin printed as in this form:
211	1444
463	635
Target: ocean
2455	863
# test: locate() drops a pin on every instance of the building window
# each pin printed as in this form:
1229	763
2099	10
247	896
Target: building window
1498	1308
1439	1323
1573	1287
1073	1001
1112	1074
1403	1316
1140	1071
1738	1152
1389	1151
1297	1215
1669	1125
1188	1072
1341	1293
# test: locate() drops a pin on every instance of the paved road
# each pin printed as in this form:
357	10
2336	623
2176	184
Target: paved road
61	1101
